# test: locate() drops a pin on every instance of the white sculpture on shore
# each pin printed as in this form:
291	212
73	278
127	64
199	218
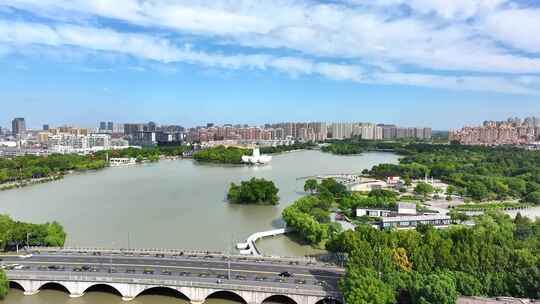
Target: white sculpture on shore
256	158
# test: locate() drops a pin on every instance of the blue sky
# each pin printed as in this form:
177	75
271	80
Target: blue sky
433	63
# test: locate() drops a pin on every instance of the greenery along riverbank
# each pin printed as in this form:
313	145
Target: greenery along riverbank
480	173
233	155
13	233
497	257
19	170
254	191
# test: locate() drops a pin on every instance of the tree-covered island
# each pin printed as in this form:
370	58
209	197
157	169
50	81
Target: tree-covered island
255	191
233	155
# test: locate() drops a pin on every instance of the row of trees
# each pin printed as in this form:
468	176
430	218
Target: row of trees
24	168
15	233
254	191
310	215
19	233
29	167
497	257
356	145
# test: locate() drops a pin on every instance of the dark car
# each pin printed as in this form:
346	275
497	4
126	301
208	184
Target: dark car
184	274
85	267
285	274
130	270
55	267
148	271
241	277
166	272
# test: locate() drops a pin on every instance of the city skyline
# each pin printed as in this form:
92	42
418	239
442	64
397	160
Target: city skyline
237	62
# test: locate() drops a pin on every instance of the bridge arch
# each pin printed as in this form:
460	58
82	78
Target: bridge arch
16	285
55	286
103	287
329	300
226	294
163	290
280	299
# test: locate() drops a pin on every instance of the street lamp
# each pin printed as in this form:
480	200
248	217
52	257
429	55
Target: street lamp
28	239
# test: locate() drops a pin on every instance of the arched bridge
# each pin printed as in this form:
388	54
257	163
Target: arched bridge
192	277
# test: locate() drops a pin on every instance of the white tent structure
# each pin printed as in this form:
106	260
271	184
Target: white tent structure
256	158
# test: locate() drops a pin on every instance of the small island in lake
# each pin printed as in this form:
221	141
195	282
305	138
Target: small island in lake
255	191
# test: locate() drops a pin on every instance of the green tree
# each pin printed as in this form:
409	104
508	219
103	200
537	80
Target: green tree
437	288
363	286
4	285
467	284
254	191
423	189
311	185
533	197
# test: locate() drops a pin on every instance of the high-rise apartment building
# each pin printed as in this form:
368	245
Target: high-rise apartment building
18	126
341	130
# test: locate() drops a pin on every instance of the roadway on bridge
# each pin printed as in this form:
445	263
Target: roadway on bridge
208	268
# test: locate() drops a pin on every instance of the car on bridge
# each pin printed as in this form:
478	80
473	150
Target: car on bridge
286	274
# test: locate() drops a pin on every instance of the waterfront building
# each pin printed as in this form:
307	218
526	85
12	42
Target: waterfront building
122	161
76	143
18	126
411	221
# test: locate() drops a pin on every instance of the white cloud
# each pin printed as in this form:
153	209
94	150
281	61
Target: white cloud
519	28
372	40
331	30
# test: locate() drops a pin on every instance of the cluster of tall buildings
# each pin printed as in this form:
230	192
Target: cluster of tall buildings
306	131
513	131
110	135
370	131
150	134
314	131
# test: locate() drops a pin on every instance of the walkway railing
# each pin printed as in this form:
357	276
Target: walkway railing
249	248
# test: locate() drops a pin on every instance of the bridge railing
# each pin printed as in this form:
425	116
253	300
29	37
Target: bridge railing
13	275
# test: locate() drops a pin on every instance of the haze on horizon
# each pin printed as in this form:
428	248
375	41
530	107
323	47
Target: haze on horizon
434	63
